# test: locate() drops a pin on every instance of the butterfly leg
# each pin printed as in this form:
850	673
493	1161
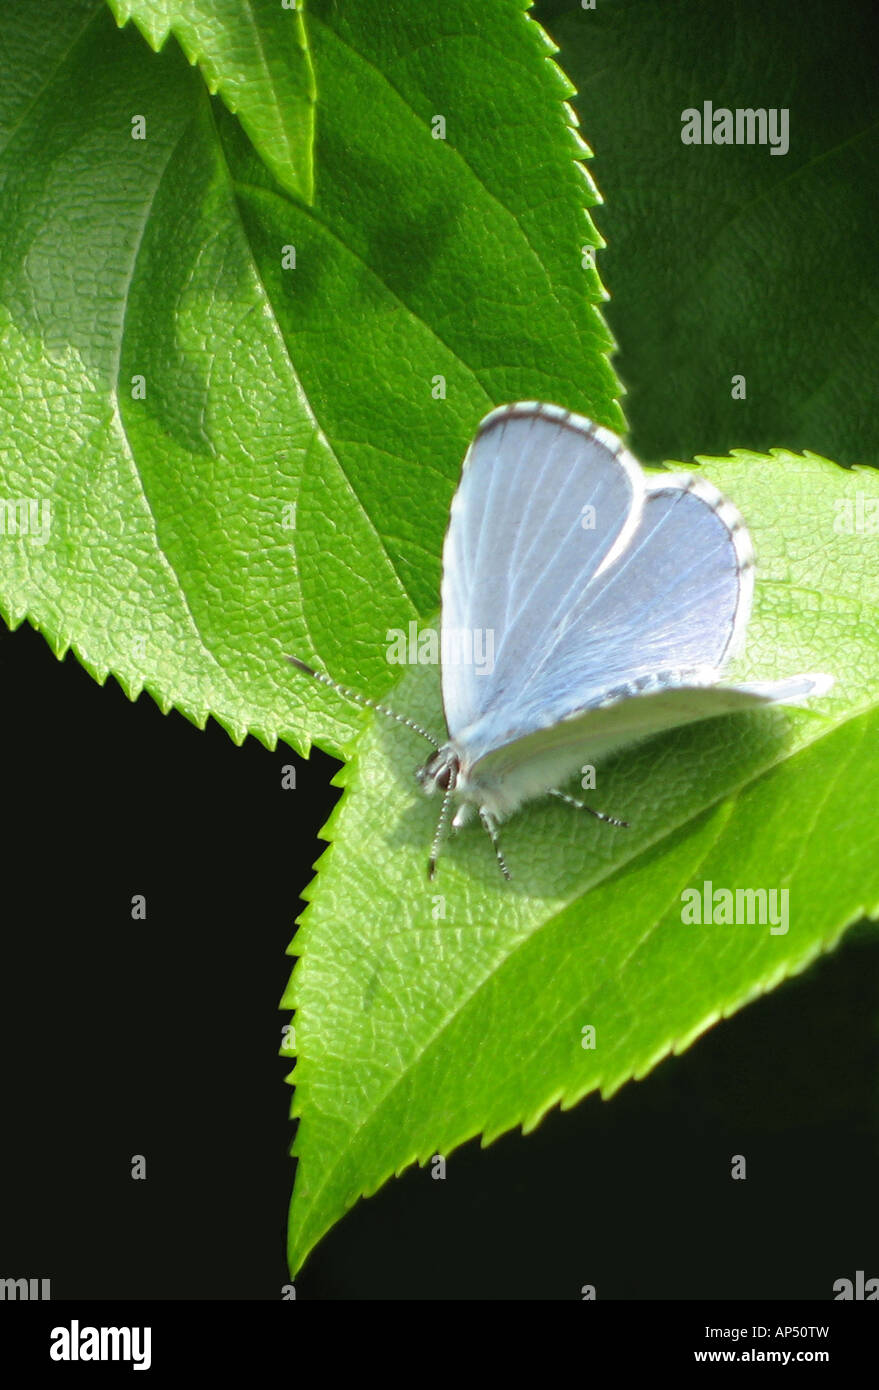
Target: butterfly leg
599	815
490	826
440	825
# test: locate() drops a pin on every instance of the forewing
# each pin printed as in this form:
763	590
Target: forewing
546	500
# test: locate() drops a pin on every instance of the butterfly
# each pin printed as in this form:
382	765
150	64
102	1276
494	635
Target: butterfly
614	604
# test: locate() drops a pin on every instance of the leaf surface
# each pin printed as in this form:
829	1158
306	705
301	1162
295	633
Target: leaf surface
428	1013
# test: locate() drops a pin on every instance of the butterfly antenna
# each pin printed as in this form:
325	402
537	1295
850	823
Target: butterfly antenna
359	699
493	836
581	806
441	825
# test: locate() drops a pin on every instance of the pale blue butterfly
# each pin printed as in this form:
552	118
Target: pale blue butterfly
615	603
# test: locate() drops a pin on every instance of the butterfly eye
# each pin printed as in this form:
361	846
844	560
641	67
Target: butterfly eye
439	771
444	776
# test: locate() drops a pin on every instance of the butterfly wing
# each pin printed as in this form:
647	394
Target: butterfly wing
651	603
657	593
529	766
546	501
671	610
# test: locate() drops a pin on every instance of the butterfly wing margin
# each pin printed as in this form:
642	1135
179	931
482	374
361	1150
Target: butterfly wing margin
517	544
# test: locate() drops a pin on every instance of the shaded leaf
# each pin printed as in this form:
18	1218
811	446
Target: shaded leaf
728	260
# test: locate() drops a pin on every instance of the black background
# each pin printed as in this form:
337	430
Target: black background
160	1038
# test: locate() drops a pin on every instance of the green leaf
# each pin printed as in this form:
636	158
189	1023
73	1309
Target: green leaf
257	58
417	1028
284	484
726	260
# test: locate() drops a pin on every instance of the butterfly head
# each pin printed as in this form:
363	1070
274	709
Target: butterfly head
440	771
